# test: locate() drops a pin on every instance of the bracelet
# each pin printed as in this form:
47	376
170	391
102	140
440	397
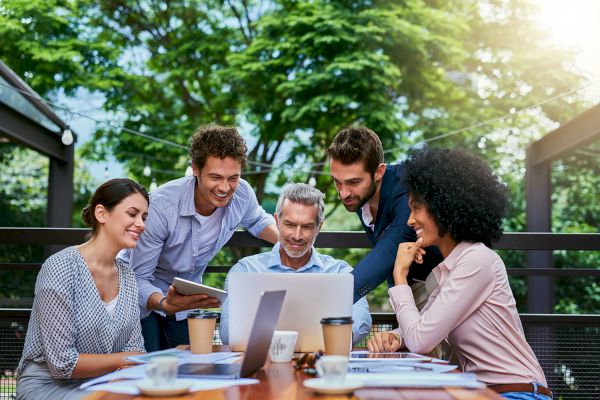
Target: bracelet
160	304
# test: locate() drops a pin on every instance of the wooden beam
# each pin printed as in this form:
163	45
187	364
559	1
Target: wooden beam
572	135
31	134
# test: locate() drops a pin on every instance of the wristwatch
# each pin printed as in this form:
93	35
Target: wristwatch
160	305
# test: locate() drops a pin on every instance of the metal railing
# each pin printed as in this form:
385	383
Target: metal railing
567	346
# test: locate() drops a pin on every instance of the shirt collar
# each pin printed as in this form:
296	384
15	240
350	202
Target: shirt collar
274	260
188	207
450	261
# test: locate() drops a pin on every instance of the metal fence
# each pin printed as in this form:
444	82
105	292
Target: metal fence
567	346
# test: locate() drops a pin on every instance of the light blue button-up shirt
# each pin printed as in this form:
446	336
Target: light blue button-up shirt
271	262
169	246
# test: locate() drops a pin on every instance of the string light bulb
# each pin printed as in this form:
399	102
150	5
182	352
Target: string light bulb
189	171
67	137
147	171
312	181
153	185
106	172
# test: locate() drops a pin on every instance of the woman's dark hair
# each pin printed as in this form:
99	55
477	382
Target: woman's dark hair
460	191
109	194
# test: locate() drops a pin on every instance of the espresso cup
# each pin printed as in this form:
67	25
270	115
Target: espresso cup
332	368
282	346
162	371
337	335
201	327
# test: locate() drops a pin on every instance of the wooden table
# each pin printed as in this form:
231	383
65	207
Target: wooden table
282	381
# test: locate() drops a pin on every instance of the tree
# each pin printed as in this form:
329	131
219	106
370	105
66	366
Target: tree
292	73
23	188
50	45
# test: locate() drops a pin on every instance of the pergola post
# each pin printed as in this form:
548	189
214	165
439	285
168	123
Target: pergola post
540	292
60	191
572	135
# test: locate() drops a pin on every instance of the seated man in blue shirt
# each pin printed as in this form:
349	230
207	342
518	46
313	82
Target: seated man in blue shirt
299	217
189	220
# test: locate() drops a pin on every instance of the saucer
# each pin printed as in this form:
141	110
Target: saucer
173	389
320	385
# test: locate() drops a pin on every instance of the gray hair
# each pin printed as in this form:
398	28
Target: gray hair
303	194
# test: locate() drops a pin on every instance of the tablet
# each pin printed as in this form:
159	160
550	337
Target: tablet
183	286
366	356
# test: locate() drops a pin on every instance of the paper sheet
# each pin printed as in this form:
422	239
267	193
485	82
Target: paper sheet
129	386
138	372
416	379
183	355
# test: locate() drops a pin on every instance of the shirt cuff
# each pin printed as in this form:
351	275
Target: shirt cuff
145	291
260	226
401	296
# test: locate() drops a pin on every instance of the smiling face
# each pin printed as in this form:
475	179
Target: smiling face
298	230
124	224
215	183
354	184
423	223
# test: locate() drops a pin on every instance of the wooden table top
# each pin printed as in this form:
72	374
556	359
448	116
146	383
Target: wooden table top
282	381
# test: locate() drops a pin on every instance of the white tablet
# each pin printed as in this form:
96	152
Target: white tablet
183	286
394	357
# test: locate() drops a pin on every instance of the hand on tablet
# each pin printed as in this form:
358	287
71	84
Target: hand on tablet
176	302
384	342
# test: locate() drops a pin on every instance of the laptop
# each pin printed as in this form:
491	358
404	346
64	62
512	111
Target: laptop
259	341
309	297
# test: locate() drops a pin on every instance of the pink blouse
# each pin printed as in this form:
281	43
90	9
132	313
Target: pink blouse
474	308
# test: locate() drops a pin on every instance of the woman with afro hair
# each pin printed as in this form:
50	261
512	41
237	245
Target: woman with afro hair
457	204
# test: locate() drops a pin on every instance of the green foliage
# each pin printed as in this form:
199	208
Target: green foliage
292	73
23	188
50	45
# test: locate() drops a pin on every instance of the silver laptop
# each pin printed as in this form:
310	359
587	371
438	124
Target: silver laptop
309	297
263	326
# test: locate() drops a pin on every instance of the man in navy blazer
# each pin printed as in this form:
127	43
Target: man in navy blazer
378	196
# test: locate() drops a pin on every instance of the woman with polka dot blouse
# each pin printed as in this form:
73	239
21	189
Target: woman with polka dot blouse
85	318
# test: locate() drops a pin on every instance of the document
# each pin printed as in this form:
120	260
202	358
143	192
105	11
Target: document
129	386
139	371
183	355
416	379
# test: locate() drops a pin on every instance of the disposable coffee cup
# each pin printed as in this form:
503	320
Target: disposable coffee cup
201	327
337	335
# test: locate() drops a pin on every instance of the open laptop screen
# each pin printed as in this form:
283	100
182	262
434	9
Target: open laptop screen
309	297
261	334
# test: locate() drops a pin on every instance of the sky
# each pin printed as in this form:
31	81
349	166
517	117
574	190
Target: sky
575	24
570	23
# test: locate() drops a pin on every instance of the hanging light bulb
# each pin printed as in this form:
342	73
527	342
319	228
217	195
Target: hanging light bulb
67	136
312	181
147	171
153	185
106	171
189	171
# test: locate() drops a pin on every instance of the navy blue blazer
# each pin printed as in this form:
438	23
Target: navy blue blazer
390	230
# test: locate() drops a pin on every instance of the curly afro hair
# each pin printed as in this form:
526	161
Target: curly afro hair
460	191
